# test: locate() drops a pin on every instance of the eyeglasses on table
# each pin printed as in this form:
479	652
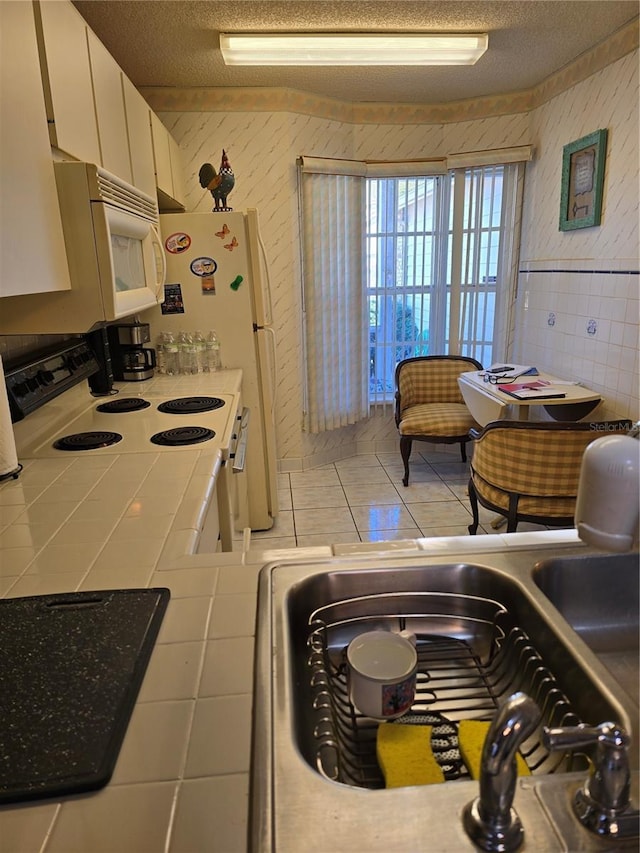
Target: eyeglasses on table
495	379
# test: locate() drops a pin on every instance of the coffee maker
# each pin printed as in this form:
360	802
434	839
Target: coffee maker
132	362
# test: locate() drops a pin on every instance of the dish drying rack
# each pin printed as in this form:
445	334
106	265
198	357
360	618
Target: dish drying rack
471	657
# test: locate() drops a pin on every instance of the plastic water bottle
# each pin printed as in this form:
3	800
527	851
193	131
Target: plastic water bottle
161	358
171	354
187	354
212	352
201	355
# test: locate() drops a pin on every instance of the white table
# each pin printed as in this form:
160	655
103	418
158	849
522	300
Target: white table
487	402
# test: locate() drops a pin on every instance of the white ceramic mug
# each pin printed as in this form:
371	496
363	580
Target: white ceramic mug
382	673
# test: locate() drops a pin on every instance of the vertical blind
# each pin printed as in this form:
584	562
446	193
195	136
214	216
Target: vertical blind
333	301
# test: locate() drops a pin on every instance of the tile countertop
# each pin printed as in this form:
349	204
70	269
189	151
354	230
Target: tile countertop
181	782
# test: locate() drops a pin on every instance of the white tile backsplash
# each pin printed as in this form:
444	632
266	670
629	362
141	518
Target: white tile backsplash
594	339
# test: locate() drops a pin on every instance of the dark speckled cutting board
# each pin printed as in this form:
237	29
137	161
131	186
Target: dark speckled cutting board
71	666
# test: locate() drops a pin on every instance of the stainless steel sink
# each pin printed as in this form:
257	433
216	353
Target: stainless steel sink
599	597
485	629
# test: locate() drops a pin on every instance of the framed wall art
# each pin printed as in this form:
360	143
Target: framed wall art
582	181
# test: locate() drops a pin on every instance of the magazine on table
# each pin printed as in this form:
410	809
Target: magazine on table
537	389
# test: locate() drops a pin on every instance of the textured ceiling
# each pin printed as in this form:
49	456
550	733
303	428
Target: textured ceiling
167	43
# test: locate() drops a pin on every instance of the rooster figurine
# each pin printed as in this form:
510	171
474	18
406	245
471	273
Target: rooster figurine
220	184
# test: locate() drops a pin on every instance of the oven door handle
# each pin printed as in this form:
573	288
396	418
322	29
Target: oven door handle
238	450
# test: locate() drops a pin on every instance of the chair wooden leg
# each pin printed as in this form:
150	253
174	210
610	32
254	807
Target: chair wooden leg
463	450
512	518
473	500
405	452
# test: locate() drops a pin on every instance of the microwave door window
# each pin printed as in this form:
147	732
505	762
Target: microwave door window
128	263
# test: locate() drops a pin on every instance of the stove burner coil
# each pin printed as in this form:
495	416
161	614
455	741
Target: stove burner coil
124	404
87	440
190	405
181	436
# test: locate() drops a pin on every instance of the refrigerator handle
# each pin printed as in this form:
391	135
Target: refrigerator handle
274	365
274	370
255	238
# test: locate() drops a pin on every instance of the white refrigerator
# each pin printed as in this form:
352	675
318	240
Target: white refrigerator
217	279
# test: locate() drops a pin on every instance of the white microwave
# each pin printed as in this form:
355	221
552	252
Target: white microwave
114	251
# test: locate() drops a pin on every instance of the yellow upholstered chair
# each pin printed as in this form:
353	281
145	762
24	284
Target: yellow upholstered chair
529	471
429	405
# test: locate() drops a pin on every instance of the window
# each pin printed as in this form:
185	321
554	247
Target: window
403	246
421	233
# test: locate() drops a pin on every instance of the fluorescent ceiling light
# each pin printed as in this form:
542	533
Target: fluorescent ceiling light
352	48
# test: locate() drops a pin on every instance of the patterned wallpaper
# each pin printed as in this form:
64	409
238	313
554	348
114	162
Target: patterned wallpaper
263	147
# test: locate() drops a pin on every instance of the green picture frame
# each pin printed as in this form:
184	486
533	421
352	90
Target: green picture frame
583	181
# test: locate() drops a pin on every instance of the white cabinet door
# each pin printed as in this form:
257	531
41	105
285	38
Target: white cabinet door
32	253
176	170
169	180
67	80
109	104
161	155
140	142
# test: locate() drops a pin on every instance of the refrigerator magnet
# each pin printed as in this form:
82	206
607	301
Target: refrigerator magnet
203	266
208	285
173	303
177	243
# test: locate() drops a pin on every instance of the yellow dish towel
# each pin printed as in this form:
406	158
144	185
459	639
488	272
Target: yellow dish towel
471	736
405	757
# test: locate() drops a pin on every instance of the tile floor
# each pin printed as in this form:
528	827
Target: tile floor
362	499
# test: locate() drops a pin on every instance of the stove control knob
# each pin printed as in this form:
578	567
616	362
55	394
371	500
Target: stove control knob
20	389
45	377
33	384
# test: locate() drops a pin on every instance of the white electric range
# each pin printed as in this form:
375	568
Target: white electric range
139	423
165	415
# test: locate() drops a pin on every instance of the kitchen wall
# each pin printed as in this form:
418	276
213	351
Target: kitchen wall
587	275
588	280
578	291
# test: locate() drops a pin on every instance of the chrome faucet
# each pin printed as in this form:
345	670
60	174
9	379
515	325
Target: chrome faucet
490	820
603	804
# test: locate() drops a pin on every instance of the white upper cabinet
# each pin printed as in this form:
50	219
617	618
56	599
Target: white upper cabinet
109	103
140	143
161	155
176	171
168	166
95	113
92	110
32	253
66	73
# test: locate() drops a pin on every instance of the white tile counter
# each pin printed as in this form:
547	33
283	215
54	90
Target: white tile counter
94	521
116	521
181	782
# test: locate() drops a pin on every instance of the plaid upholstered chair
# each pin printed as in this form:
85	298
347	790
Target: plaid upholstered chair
529	471
429	405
